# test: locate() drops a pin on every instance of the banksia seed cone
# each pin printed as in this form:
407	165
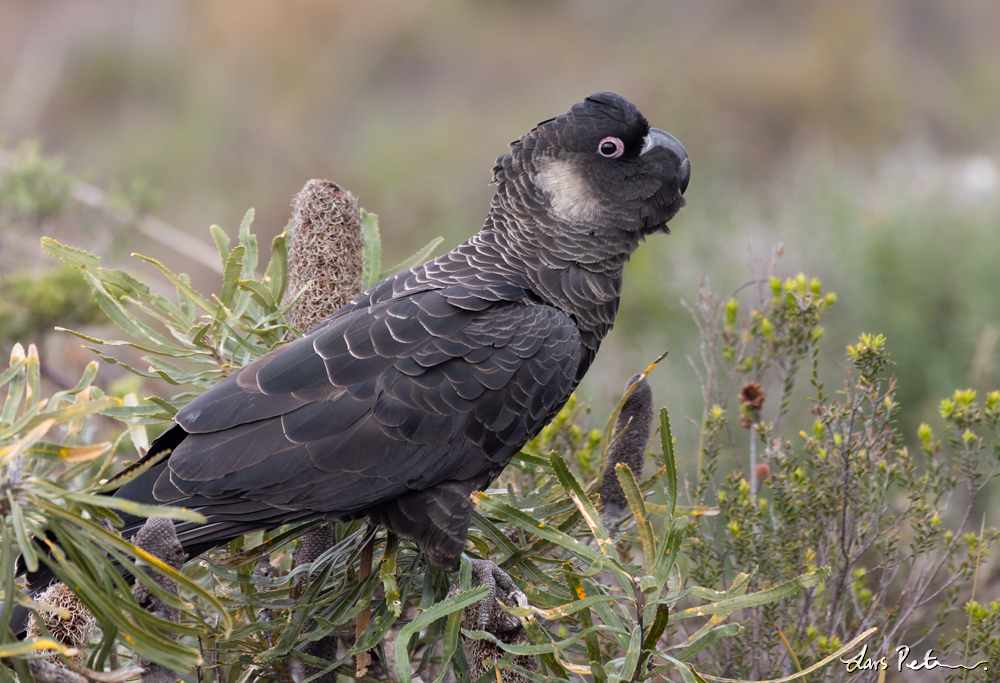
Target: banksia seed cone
311	546
326	245
628	445
158	537
75	630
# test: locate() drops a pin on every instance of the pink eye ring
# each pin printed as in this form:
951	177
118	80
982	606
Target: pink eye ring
610	147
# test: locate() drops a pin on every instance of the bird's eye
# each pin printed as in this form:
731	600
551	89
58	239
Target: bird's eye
611	147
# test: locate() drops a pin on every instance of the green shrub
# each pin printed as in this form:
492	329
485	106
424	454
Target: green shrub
897	529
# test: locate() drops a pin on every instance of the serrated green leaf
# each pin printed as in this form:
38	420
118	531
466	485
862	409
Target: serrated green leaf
221	243
71	256
260	293
129	324
417	258
182	283
231	275
514	516
638	506
583	503
249	242
669	463
276	275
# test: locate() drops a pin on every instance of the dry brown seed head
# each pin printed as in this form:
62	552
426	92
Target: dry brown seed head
752	395
326	246
74	631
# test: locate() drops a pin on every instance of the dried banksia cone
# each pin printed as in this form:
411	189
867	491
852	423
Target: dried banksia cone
325	245
311	546
75	630
628	445
158	537
486	615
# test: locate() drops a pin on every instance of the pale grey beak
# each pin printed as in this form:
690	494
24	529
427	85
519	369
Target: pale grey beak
661	138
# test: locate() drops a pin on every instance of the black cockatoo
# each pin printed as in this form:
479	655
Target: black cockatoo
419	391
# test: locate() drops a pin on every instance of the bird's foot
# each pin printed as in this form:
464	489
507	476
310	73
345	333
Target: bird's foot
503	590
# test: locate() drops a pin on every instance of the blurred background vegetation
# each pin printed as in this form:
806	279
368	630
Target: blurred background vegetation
862	136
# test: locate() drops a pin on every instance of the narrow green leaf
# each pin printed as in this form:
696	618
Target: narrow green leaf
108	342
779	592
543	647
140	415
15	382
138	509
450	642
131	325
583	503
388	575
89	373
707	639
456	603
182	283
668	550
586	621
125	282
32	379
27	647
419	257
499	538
631	655
514	516
538	636
75	411
24	543
15	367
373	250
7	579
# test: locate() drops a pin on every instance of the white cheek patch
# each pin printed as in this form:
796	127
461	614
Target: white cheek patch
570	196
